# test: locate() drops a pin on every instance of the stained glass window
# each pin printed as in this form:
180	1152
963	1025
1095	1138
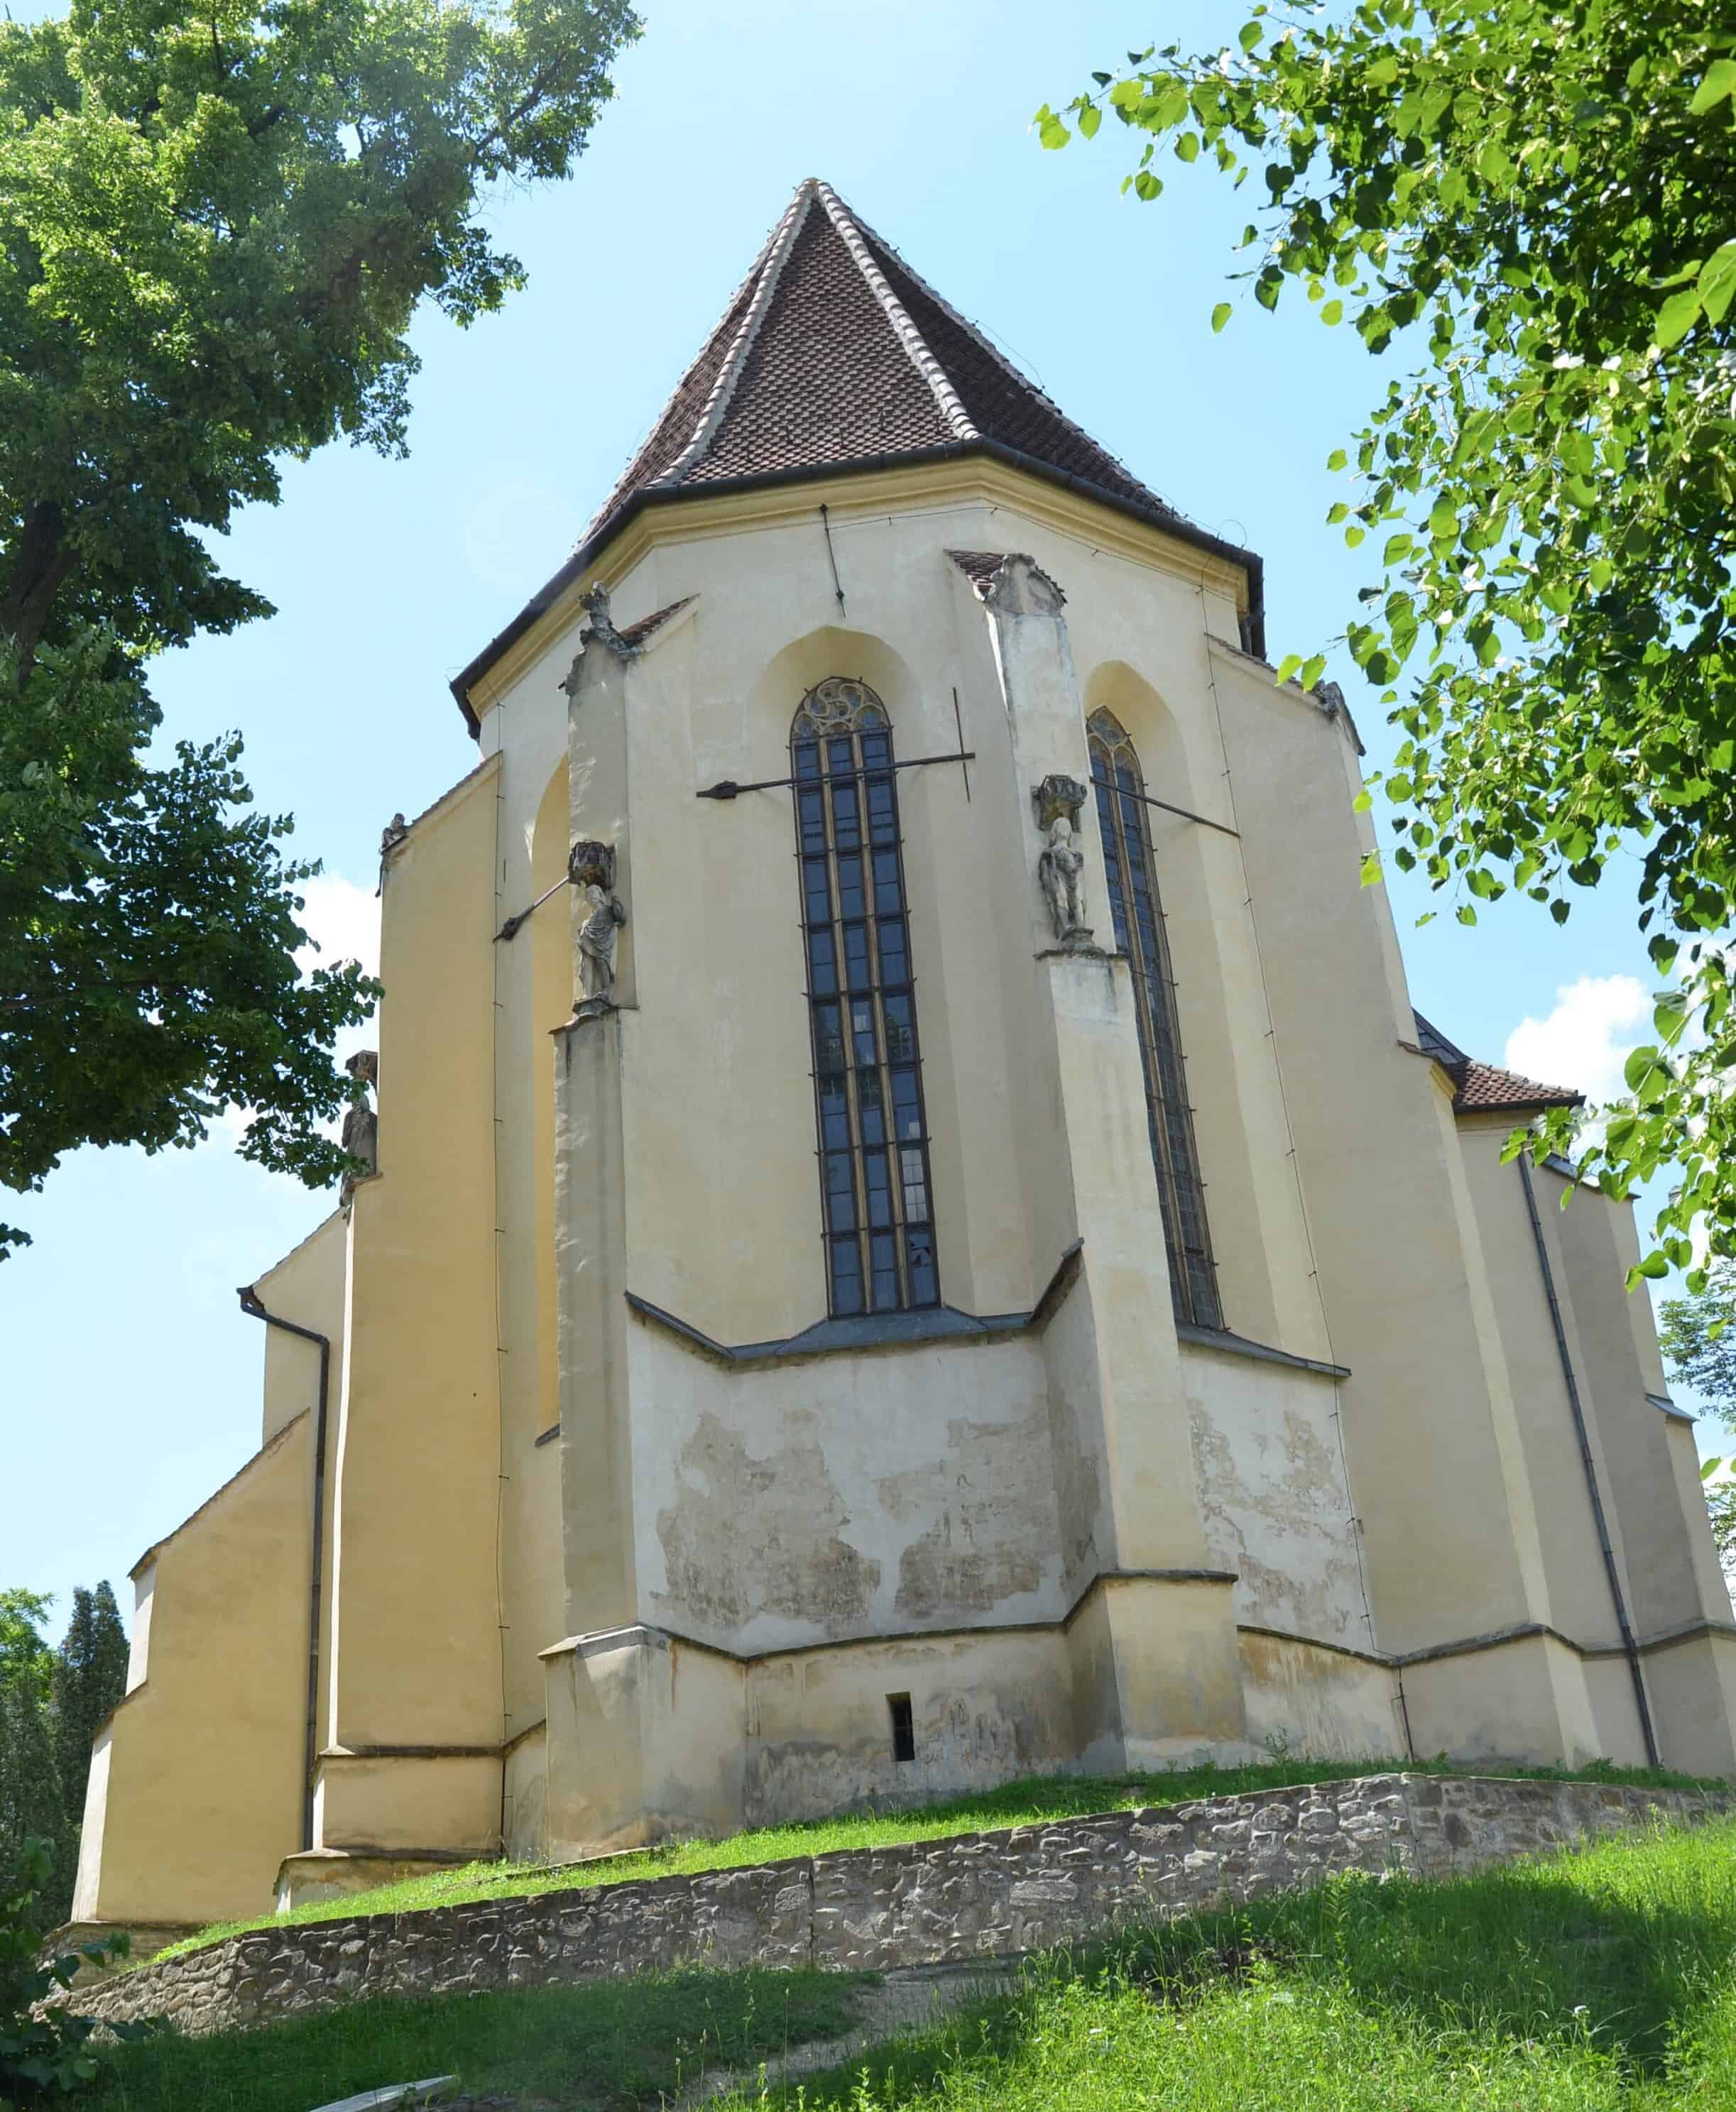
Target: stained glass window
875	1190
1138	915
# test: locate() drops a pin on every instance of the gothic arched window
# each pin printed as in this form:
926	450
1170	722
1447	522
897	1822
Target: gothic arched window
1138	916
875	1194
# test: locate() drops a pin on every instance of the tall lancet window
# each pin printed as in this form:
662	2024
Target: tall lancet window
875	1193
1138	915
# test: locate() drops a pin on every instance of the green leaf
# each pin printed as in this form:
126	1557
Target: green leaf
1653	1267
1333	312
1051	129
1146	186
1249	34
1370	873
1641	1063
1187	147
1220	314
1089	118
1720	81
1288	667
1676	318
1337	459
1718	281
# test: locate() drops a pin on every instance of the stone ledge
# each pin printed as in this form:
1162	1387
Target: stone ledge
964	1899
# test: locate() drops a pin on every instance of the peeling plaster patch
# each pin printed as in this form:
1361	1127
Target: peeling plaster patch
991	1498
1079	1489
1273	1500
747	1536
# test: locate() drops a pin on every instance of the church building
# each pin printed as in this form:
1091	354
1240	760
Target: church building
914	1236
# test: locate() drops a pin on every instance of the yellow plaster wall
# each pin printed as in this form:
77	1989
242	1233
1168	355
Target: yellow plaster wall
416	1656
199	1795
307	1286
1425	1409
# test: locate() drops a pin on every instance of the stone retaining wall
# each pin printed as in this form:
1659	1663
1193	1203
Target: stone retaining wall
976	1895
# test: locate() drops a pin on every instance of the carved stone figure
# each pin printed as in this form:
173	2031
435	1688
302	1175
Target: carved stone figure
1061	870
390	837
597	937
1060	865
361	1133
1019	586
591	867
600	627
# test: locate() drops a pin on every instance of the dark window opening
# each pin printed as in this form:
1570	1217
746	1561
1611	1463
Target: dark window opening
1131	872
904	1727
876	1195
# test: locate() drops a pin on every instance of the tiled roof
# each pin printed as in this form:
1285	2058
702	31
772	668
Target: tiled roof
1485	1088
833	355
979	566
647	627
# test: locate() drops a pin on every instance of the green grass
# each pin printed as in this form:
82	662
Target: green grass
621	2043
1035	1800
1604	1981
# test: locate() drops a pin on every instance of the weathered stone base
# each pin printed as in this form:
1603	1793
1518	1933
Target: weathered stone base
975	1897
318	1875
146	1938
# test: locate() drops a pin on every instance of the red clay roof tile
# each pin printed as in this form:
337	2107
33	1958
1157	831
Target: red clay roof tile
833	355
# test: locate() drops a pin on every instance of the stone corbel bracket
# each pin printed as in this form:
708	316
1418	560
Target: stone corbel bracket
592	863
1056	796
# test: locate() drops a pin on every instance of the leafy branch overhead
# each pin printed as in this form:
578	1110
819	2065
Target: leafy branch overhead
216	223
1533	210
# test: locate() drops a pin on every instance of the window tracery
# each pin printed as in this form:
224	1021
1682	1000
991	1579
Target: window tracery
1137	909
875	1190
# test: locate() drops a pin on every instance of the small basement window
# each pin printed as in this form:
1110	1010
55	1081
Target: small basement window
904	1727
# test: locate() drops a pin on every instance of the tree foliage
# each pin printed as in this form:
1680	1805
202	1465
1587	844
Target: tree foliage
45	2053
217	222
89	1677
32	1806
1530	205
1698	1338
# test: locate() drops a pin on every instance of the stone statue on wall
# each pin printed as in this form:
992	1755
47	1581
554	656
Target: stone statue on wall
1061	870
361	1133
591	868
1060	865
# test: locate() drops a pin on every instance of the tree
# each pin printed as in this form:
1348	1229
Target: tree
215	224
45	2050
1531	206
31	1804
89	1679
1699	1341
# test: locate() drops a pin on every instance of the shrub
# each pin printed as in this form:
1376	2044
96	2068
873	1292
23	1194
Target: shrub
44	2053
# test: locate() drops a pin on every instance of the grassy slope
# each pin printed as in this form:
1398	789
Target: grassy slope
620	2043
1024	1803
1604	1981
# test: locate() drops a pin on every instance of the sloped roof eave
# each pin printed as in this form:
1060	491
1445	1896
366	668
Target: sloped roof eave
645	495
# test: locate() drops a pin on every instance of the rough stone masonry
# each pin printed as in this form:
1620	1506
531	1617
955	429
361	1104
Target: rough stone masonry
972	1897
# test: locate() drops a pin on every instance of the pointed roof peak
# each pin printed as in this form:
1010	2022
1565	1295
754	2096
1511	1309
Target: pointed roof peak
834	355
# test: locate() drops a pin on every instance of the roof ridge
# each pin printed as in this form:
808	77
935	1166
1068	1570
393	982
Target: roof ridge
769	264
853	234
622	482
1007	365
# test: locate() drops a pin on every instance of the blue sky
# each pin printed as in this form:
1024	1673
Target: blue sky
129	1379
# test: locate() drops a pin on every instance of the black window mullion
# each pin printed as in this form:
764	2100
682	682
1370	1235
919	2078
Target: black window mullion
1137	911
821	724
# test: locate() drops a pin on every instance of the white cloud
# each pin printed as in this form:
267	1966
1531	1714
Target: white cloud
1584	1041
342	921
